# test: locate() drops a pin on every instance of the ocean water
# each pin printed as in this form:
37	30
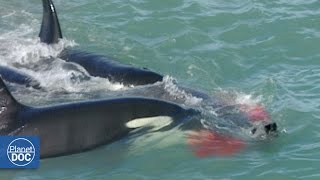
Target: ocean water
265	50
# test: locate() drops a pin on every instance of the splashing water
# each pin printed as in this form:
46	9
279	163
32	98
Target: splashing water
171	87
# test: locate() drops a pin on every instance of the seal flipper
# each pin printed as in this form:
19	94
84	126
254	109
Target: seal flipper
50	31
9	109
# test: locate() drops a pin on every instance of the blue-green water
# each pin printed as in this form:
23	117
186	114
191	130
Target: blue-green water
265	48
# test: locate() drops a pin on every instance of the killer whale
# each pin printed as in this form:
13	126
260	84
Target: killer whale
95	65
75	127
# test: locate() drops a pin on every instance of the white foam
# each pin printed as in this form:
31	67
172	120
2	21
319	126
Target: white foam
18	50
171	87
236	98
247	99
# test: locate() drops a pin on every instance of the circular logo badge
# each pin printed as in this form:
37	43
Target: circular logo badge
21	152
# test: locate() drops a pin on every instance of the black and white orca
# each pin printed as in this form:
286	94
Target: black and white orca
76	127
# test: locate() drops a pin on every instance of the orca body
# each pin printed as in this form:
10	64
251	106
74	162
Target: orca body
105	67
95	65
75	127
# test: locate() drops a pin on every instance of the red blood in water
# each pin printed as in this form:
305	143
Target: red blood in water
207	143
256	113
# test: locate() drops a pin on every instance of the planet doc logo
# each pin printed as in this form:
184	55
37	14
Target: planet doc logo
21	152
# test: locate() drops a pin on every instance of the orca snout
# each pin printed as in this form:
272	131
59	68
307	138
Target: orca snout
271	127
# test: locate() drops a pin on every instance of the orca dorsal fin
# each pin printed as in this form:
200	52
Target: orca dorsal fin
50	31
9	109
